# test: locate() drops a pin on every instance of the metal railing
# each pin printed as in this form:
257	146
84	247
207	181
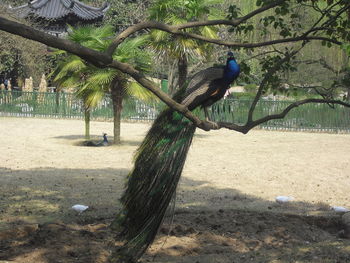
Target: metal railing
315	116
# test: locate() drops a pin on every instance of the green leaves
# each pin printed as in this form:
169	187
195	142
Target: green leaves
245	72
233	12
346	47
278	23
243	29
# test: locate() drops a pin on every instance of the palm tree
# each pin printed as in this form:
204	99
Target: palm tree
179	48
92	83
71	73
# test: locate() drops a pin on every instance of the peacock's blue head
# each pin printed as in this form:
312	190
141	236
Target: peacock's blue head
232	68
230	55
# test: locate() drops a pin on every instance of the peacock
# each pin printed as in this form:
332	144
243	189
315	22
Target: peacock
159	161
98	144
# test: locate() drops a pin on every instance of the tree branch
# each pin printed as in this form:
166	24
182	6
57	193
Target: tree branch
126	68
252	124
177	29
28	32
323	14
265	81
281	115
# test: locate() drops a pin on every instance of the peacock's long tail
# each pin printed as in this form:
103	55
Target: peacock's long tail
152	183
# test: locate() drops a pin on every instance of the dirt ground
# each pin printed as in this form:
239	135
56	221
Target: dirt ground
225	210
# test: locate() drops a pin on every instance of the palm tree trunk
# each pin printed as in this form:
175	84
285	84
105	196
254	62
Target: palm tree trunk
117	100
87	123
172	77
182	68
57	101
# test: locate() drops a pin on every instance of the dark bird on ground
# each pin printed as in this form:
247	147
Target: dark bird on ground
160	159
98	144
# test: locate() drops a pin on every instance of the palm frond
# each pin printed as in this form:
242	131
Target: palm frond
132	51
102	77
174	19
70	82
71	67
135	90
210	32
178	12
80	34
90	94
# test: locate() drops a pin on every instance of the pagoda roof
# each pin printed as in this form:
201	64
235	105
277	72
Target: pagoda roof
56	9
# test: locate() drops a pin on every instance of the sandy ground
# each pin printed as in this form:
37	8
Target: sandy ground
225	204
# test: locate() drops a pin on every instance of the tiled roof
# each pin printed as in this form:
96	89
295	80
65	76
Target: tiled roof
55	9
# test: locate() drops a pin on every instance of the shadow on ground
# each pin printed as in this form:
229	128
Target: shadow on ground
79	139
210	225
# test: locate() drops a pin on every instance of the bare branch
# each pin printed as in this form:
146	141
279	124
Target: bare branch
265	81
322	61
292	106
324	13
233	22
252	124
261	54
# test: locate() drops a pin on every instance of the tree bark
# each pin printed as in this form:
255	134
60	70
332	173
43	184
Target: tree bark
87	123
172	78
57	101
182	68
117	100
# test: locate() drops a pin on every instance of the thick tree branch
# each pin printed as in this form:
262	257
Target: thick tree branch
252	124
28	32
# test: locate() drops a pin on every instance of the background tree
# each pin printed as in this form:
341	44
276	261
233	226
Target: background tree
178	50
21	58
92	83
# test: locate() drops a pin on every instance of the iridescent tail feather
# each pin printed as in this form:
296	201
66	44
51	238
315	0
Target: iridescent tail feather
152	183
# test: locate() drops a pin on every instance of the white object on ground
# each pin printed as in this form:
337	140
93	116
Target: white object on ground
80	208
340	209
284	199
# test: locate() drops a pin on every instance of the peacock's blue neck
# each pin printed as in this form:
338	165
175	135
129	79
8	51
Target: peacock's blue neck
232	70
